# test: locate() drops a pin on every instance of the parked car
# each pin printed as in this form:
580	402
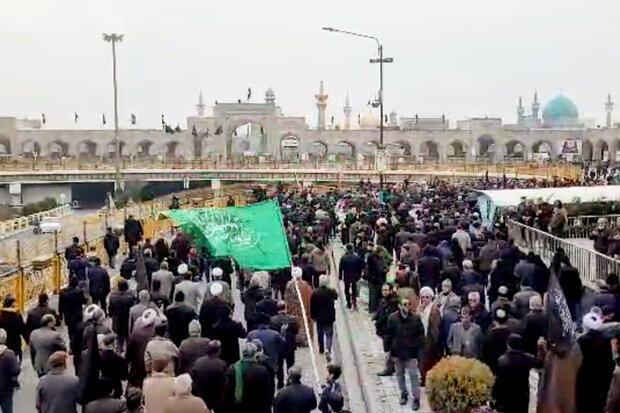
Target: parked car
49	225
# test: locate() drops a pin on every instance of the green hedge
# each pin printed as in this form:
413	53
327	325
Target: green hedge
41	206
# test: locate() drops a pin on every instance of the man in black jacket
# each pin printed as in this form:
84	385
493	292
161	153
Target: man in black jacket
99	284
429	268
121	302
179	316
375	273
133	231
33	321
323	312
296	397
288	326
111	245
350	270
71	304
209	377
405	337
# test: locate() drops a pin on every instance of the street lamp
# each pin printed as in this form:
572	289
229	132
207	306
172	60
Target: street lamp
113	38
379	60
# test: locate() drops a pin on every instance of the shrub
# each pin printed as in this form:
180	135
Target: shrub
458	385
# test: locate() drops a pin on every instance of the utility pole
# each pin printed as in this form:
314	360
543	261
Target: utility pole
379	60
113	38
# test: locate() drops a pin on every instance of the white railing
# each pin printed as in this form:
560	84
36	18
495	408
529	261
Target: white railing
582	226
12	226
592	265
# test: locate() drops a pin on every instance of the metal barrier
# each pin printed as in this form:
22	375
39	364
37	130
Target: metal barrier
592	265
582	226
39	264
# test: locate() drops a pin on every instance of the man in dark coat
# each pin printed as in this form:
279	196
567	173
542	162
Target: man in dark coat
212	310
192	348
111	245
596	369
179	316
248	387
375	274
133	231
113	366
9	370
405	338
495	339
535	324
71	302
33	320
209	377
12	322
511	391
429	270
121	302
73	250
136	347
228	332
150	264
295	397
99	284
250	298
288	326
350	271
323	312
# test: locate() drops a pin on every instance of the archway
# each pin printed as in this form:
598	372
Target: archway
429	151
5	146
515	149
457	150
289	147
87	150
542	150
345	150
58	149
30	148
318	150
172	150
145	149
111	150
587	150
248	138
486	146
602	151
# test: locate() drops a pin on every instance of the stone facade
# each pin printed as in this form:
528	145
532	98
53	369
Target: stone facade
289	137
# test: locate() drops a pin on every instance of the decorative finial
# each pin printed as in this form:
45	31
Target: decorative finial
200	107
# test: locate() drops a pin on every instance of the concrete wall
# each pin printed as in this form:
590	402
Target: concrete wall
38	192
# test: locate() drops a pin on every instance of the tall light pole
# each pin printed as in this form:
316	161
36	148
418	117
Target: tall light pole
379	60
113	38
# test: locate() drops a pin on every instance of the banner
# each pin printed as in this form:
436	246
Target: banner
252	235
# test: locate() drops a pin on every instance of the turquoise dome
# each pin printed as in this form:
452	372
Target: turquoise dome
560	111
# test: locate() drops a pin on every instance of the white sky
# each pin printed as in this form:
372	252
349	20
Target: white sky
459	57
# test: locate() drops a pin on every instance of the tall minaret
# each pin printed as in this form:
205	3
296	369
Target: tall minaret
609	107
321	103
535	107
200	107
347	113
520	111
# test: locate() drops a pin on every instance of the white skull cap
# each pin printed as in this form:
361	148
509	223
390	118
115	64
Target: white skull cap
296	272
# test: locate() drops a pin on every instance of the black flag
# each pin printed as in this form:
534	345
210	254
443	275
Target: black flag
194	132
561	332
386	119
359	119
178	128
219	130
75	117
103	118
43	118
262	131
249	93
133	119
163	120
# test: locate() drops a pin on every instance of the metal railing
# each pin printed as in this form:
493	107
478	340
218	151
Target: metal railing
592	265
582	226
37	264
511	169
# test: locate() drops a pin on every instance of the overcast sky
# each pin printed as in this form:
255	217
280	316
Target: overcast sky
462	58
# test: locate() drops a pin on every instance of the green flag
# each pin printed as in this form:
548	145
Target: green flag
252	235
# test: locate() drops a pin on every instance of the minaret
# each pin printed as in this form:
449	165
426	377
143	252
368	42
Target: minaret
520	111
200	107
535	107
321	103
347	113
609	107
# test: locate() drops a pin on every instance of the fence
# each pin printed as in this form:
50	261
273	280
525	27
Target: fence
38	265
582	226
592	265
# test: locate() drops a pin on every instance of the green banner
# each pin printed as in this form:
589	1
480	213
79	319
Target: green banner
252	235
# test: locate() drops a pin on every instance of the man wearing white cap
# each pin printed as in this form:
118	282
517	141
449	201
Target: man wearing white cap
217	279
190	289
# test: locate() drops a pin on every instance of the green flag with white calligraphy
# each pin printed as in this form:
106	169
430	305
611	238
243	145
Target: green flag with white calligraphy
253	235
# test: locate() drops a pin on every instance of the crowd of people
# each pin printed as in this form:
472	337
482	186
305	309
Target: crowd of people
162	335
